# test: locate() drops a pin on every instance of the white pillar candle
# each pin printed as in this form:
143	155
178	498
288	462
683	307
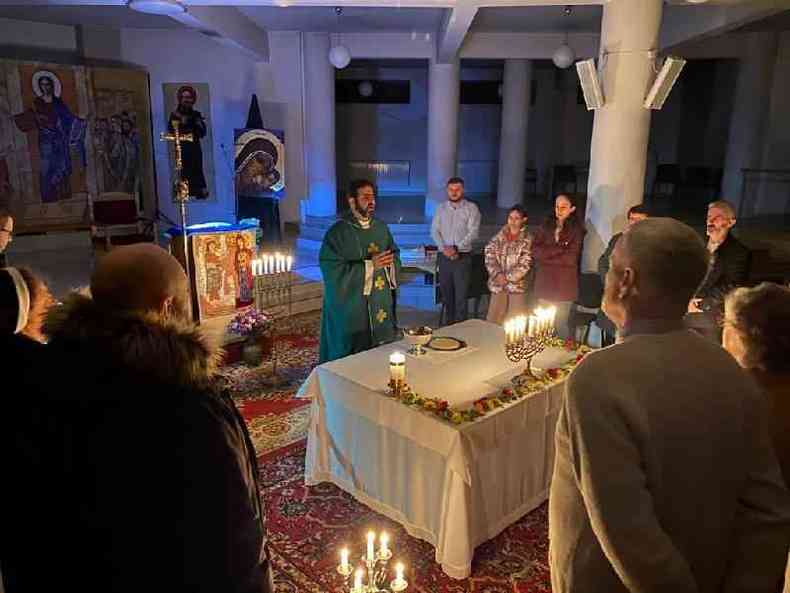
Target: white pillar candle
399	568
344	560
288	262
265	261
358	581
531	328
397	369
371	544
384	544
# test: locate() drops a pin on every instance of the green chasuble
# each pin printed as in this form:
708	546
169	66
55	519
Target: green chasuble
359	303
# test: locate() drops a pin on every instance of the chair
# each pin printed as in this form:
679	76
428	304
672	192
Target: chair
667	175
585	309
562	177
531	178
478	286
116	215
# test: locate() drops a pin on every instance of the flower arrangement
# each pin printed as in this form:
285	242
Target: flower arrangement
250	323
523	385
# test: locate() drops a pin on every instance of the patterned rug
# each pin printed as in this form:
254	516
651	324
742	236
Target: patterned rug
308	526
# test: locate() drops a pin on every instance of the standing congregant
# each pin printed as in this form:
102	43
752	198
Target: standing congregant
6	236
455	226
556	249
162	480
665	478
508	259
360	264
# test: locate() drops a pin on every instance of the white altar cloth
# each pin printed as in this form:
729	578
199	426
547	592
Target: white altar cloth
452	486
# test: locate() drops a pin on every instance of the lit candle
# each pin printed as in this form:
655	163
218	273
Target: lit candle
264	263
399	572
552	314
344	560
371	543
531	328
383	547
397	370
358	581
288	261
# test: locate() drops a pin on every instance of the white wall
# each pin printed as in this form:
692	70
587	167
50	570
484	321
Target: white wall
26	34
186	56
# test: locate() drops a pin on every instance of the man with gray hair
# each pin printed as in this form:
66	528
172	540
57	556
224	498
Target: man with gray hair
728	269
664	480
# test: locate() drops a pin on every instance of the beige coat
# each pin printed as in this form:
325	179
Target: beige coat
511	258
664	480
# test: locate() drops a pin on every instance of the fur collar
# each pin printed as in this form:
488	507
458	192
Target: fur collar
171	351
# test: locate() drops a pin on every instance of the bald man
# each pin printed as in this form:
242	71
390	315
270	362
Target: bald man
160	491
664	480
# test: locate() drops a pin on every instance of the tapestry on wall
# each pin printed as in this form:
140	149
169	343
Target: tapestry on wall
189	103
223	271
70	135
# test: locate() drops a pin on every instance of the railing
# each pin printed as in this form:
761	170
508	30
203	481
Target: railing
387	175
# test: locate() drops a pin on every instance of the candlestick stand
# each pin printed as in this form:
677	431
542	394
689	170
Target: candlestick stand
274	294
527	347
376	571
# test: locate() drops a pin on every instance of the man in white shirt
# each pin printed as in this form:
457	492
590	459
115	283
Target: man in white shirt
455	226
665	479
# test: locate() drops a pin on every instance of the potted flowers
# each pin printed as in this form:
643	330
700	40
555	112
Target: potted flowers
255	327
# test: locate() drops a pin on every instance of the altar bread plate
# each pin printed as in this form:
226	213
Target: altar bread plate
445	344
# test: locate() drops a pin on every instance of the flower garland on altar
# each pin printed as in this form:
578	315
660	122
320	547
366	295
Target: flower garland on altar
523	386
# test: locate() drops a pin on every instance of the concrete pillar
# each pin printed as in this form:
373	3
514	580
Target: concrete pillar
749	111
629	31
513	138
319	142
444	88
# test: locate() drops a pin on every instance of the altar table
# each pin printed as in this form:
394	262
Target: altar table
454	486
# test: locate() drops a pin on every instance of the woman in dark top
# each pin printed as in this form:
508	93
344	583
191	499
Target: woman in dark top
556	250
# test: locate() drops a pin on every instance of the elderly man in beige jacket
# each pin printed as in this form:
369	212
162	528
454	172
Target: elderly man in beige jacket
664	480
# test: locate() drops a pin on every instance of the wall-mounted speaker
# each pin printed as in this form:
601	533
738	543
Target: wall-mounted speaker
664	82
591	86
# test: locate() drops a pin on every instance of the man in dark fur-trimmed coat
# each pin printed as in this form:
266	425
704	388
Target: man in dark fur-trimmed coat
158	491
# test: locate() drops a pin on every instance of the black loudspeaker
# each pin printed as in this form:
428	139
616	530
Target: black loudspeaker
267	211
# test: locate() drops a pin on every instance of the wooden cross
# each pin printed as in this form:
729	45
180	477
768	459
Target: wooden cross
181	187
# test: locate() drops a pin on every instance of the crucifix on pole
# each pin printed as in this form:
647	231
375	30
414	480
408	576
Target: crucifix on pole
181	185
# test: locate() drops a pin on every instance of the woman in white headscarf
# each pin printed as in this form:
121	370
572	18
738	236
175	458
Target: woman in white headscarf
24	300
27	427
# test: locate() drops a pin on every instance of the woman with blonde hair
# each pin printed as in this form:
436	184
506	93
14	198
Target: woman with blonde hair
757	334
508	259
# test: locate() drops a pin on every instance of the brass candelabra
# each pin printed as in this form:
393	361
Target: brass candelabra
273	293
526	337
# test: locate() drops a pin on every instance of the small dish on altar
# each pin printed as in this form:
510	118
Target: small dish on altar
416	338
446	344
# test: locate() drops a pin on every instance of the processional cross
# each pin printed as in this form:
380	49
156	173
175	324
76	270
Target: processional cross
181	185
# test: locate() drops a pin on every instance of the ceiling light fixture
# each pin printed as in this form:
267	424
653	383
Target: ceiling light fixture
564	55
160	7
339	55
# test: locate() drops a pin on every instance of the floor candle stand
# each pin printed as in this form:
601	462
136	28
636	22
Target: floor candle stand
274	295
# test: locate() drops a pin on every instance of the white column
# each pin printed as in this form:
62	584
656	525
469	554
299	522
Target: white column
513	137
749	112
319	141
444	88
618	152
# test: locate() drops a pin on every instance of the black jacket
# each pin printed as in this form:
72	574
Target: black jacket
158	490
728	269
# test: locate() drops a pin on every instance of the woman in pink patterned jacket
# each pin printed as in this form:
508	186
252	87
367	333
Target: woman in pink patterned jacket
508	259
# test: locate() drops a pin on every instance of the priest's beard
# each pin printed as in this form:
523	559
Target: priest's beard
362	215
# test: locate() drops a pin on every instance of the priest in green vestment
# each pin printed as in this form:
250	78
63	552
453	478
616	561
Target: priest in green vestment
360	264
